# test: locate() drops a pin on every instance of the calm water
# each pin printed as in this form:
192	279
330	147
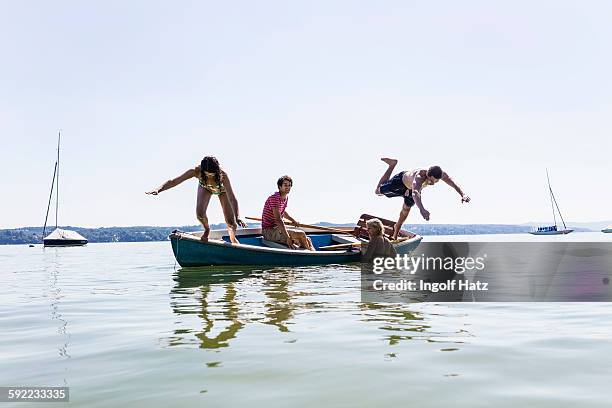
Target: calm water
122	325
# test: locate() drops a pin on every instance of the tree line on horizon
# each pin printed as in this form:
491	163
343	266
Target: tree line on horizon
34	235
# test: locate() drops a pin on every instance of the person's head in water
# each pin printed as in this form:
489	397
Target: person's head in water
284	184
434	174
209	167
375	227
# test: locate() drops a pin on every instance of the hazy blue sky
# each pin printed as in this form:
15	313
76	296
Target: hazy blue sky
494	92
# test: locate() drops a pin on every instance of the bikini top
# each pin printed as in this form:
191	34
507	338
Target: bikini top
216	189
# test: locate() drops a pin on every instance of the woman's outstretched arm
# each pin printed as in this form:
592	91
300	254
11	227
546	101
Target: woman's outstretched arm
174	182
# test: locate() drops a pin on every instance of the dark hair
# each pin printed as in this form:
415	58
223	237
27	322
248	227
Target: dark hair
211	165
280	181
435	171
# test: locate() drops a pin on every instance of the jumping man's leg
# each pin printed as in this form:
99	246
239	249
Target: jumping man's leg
387	174
201	206
230	217
402	217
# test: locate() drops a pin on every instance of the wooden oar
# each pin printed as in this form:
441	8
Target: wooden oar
351	244
340	246
337	231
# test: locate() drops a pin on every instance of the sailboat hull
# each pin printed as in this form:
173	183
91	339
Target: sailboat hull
63	242
560	232
64	238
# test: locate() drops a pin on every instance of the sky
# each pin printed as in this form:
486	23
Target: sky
493	92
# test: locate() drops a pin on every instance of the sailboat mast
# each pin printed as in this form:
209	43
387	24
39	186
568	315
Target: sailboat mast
50	196
551	199
555	200
59	135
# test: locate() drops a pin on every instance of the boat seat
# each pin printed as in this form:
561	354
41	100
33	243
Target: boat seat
278	245
344	239
272	244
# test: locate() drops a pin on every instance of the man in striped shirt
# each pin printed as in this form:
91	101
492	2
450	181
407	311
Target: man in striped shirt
272	225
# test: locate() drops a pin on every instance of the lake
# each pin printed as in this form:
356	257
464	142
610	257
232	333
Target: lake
122	324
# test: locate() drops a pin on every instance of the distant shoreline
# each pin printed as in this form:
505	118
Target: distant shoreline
33	235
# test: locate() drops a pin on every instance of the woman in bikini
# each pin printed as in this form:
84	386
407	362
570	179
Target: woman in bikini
212	181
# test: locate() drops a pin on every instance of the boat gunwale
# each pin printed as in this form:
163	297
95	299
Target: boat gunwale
557	232
178	235
46	245
256	248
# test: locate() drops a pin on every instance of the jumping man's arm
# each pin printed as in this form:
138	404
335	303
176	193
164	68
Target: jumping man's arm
417	185
174	182
448	180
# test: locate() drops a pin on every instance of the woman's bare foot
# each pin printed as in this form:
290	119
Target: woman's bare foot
390	162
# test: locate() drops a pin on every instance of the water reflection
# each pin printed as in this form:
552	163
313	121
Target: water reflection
54	293
227	299
202	284
398	322
279	306
401	324
209	316
217	291
196	277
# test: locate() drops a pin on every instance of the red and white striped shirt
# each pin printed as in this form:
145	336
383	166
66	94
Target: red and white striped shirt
274	201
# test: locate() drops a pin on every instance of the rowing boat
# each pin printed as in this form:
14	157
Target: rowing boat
252	249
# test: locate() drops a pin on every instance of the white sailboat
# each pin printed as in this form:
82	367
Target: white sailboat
59	237
552	229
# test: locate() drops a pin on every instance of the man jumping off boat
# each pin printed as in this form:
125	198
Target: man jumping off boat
409	184
272	225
